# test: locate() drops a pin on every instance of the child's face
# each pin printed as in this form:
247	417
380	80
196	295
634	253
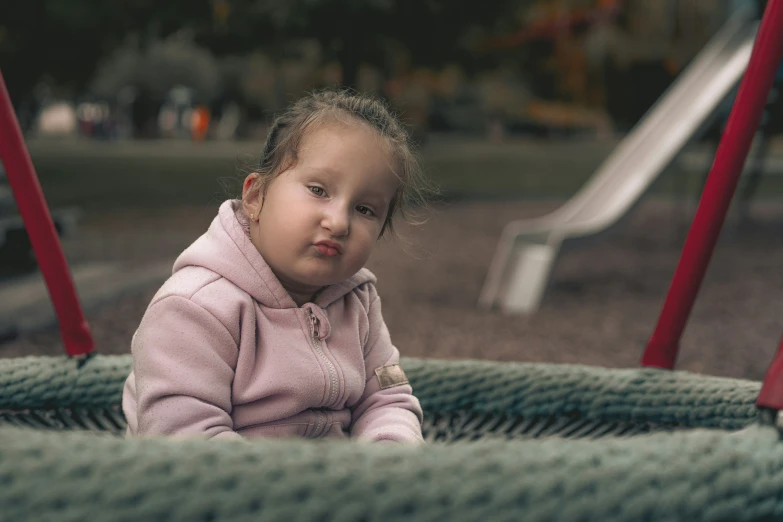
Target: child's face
320	219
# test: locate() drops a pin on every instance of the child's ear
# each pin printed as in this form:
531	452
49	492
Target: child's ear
251	195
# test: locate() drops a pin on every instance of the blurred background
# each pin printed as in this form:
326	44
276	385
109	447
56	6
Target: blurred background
141	117
217	69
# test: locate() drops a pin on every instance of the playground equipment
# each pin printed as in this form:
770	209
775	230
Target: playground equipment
527	249
16	253
507	441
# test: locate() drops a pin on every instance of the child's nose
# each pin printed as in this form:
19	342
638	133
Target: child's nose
337	221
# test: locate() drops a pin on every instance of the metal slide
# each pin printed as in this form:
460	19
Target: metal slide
526	252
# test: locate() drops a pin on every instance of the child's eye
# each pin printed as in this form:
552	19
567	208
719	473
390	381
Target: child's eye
365	211
318	191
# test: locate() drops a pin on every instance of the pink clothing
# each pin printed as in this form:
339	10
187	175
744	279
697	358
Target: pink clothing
223	351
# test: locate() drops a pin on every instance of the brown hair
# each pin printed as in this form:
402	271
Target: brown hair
346	106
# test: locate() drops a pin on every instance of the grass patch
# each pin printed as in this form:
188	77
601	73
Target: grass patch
98	176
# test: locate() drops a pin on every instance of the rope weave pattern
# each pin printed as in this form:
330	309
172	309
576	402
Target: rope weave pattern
694	474
43	382
441	428
645	396
688	475
641	397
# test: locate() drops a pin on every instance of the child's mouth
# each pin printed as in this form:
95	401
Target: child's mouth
326	250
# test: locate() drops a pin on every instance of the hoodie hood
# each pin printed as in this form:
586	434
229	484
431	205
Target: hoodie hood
226	249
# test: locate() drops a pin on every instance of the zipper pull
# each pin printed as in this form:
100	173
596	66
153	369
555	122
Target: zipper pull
314	322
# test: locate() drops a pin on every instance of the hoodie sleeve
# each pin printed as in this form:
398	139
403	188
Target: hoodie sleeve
388	410
183	363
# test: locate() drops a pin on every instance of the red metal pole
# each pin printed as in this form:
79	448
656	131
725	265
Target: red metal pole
771	395
40	228
743	121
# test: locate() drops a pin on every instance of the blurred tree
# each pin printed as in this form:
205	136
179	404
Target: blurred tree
65	40
356	31
349	30
164	64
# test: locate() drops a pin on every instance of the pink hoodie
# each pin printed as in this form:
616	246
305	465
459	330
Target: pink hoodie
223	351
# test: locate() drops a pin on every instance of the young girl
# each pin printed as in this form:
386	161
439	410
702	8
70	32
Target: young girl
270	326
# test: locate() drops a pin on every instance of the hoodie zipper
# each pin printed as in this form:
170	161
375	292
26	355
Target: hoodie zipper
320	423
330	367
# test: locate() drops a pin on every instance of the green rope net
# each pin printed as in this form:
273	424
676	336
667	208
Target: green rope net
461	399
506	441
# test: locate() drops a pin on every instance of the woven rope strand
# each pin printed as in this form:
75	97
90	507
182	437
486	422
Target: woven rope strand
695	475
644	396
692	475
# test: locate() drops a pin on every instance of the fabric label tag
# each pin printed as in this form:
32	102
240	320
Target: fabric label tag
391	375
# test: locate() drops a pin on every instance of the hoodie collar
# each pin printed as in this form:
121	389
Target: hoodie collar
226	249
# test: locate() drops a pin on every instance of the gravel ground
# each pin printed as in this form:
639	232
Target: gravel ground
600	309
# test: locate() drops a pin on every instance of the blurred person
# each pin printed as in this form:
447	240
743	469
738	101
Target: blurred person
228	122
57	119
176	117
270	325
199	125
